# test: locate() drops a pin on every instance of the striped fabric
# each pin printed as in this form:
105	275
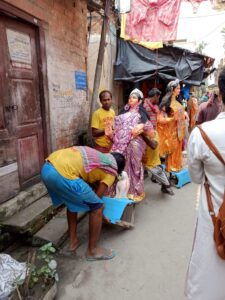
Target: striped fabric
93	159
152	111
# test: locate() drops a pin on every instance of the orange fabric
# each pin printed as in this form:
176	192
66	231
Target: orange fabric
174	160
179	118
165	128
171	131
193	102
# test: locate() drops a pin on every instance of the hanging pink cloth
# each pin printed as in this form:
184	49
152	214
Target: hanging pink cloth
153	20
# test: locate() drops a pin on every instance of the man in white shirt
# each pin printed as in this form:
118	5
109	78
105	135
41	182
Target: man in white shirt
206	272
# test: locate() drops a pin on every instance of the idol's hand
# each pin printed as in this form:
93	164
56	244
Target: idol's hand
138	129
109	132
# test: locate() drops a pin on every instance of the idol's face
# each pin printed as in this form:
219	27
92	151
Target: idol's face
176	91
133	100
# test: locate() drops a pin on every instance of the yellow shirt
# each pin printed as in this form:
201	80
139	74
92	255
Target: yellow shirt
69	163
151	158
100	119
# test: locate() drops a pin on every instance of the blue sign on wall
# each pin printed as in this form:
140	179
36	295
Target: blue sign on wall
81	80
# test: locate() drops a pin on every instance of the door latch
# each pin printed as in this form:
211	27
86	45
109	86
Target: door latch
11	107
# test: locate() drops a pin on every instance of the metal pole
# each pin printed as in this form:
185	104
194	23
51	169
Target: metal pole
98	70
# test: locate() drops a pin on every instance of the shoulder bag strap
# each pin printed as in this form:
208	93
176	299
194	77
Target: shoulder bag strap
206	183
209	200
211	145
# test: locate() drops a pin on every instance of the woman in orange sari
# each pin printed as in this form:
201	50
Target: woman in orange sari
192	110
171	127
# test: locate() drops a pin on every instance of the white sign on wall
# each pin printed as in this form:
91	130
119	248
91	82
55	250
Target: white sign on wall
19	48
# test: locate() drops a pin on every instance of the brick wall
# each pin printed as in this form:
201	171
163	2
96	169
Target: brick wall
66	49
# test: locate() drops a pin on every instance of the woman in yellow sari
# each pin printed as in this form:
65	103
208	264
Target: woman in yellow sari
171	127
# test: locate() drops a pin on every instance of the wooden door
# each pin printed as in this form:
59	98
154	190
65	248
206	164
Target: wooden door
21	133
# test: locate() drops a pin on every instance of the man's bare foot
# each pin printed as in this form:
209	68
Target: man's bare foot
74	245
71	250
100	254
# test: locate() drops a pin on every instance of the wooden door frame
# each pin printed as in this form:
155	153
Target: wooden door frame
12	11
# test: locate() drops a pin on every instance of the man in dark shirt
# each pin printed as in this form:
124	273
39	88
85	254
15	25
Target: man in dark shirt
209	110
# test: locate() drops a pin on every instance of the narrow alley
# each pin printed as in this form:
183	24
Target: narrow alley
112	149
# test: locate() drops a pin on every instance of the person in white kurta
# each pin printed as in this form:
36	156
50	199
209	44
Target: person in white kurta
206	272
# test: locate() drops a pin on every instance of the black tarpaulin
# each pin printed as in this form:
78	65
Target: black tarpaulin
135	63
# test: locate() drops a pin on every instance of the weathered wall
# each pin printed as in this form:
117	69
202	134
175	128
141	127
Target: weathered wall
66	49
107	81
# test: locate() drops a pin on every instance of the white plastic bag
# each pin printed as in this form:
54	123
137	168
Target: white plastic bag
11	271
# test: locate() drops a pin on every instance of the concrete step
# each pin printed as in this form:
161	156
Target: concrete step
55	231
22	200
30	219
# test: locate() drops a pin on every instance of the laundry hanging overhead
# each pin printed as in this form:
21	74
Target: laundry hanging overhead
146	44
153	20
136	63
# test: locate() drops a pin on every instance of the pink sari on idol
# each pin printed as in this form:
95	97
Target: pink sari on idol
133	148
